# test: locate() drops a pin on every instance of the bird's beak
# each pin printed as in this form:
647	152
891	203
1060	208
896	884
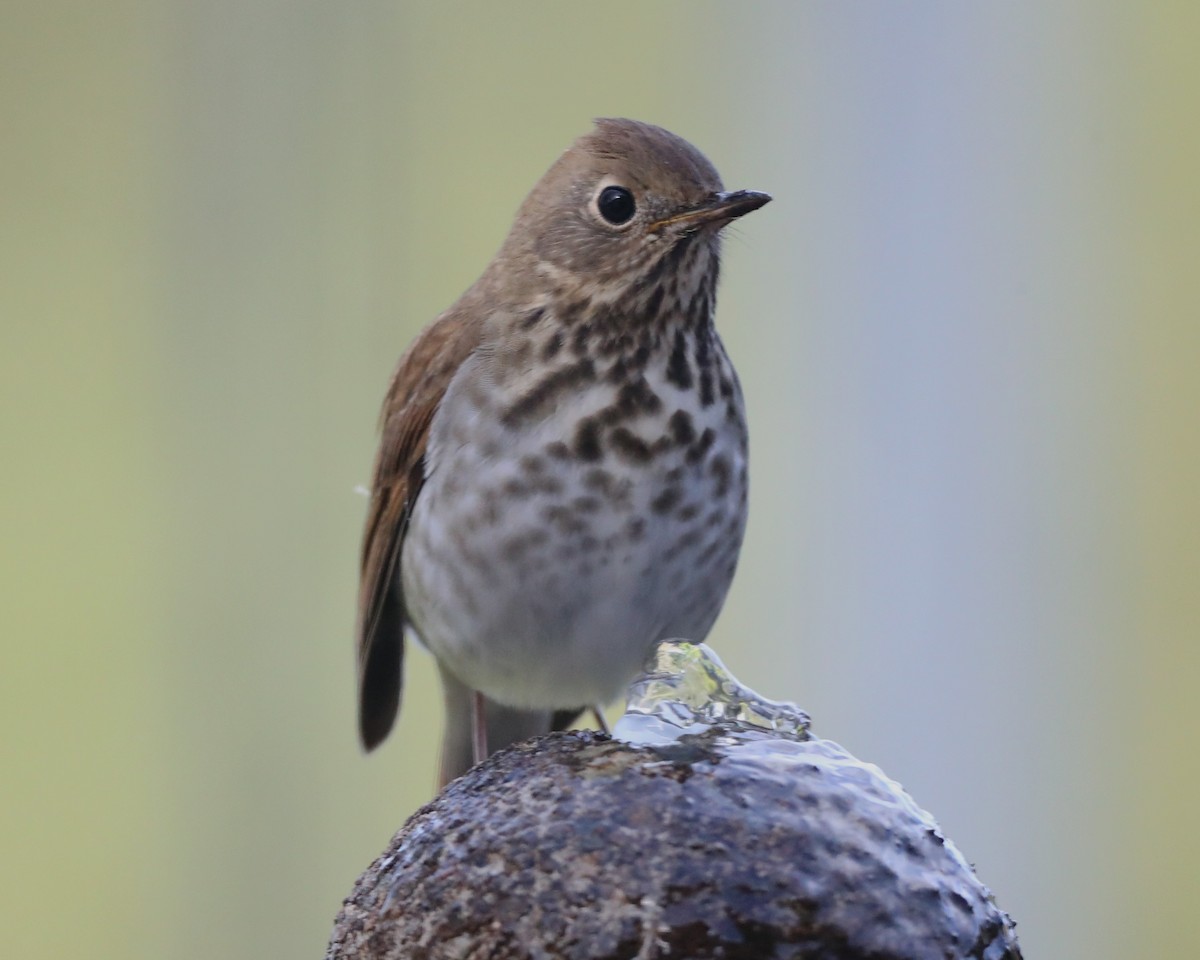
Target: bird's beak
718	208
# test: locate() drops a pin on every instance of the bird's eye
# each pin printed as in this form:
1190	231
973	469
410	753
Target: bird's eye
616	205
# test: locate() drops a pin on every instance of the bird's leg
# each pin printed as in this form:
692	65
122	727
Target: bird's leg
601	721
479	737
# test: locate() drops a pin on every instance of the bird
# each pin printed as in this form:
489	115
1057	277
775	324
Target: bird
561	481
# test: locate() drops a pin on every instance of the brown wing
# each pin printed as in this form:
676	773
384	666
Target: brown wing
416	390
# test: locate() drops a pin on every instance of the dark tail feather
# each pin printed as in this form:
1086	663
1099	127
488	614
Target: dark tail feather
379	685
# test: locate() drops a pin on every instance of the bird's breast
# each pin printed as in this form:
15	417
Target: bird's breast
574	516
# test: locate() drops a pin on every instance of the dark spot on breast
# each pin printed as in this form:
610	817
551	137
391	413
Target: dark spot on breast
514	548
581	338
708	553
666	500
689	539
674	260
610	415
636	529
654	302
705	357
587	440
557	450
697	451
553	345
635	396
614	342
689	512
679	370
490	513
629	446
720	470
586	504
547	390
514	489
680	426
598	479
607	319
616	492
531	463
671	289
662	444
564	519
651	336
530	320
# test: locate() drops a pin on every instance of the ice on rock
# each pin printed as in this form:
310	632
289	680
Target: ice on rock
686	691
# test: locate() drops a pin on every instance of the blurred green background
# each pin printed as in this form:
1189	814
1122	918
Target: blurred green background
968	329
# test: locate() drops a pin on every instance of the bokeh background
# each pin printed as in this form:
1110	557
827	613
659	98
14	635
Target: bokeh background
968	330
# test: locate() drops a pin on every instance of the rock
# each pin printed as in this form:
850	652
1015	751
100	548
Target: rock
578	846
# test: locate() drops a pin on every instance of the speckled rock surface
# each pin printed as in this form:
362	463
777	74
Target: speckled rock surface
576	846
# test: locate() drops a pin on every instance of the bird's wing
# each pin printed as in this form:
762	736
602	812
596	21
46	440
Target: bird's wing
413	397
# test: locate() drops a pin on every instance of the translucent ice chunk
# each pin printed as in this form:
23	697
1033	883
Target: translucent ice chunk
686	690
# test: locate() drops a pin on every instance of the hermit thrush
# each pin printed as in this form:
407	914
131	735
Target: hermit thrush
561	480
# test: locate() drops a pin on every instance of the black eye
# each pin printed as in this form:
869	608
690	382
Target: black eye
616	205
